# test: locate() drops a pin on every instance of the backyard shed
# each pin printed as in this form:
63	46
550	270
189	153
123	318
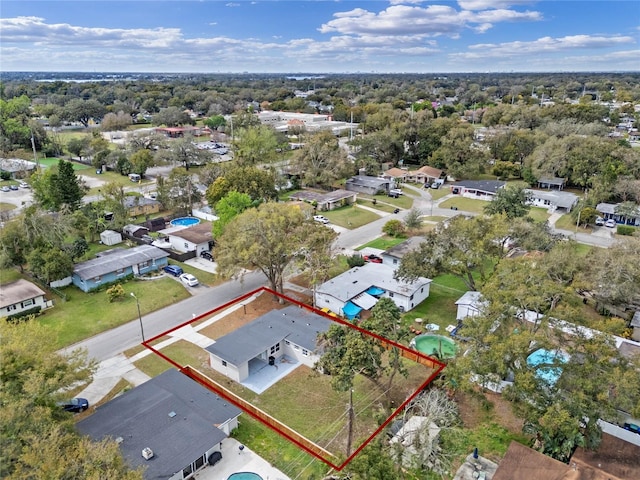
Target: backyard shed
110	237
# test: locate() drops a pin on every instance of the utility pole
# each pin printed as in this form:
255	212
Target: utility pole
139	316
350	422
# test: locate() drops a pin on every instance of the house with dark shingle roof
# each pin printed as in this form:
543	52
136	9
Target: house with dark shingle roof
177	422
197	238
291	331
477	189
117	263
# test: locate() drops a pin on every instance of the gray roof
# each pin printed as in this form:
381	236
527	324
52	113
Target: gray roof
16	165
367	181
18	291
610	208
635	321
400	250
295	324
470	298
561	199
117	258
131	201
553	181
491	186
141	417
357	280
326	197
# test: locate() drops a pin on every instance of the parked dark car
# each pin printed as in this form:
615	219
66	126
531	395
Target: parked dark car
396	210
174	270
206	255
75	405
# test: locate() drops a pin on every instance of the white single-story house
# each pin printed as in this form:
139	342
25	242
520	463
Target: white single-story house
609	211
393	256
116	263
20	296
328	200
360	288
16	167
369	185
171	419
291	331
477	189
469	305
197	238
552	199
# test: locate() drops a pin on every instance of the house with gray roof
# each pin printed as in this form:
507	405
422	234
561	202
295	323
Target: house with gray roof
552	200
117	263
327	200
361	287
610	211
556	183
171	425
369	185
477	189
287	336
393	255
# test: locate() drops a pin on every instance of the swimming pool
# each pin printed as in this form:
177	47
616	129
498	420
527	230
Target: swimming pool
185	221
435	345
546	360
244	476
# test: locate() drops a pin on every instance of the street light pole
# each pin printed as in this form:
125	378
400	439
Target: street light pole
139	316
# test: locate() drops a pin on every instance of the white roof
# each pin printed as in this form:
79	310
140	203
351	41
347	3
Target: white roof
357	280
365	301
470	298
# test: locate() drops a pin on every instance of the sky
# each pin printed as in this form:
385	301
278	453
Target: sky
316	36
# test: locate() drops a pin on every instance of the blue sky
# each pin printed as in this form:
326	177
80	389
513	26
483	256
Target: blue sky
316	36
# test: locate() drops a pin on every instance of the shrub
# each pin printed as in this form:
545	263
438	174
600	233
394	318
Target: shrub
395	228
25	315
626	230
115	293
355	260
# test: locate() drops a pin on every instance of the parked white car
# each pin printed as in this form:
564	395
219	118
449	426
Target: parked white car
189	279
599	221
321	219
611	223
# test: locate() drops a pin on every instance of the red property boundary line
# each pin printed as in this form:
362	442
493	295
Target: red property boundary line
210	384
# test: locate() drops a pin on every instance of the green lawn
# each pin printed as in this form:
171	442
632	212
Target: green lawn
350	216
86	314
539	214
465	204
566	222
383	243
9	275
5	207
51	161
440	307
182	352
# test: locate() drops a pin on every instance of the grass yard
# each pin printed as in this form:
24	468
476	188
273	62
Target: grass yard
539	214
9	275
383	243
86	314
6	207
465	204
437	194
53	161
350	216
566	222
440	307
182	352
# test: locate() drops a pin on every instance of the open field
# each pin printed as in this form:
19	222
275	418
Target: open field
350	216
385	242
465	204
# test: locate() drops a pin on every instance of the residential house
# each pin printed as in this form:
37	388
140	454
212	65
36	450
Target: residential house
136	231
111	265
360	288
613	460
289	333
609	211
425	174
396	174
328	200
477	189
170	424
197	238
552	183
16	167
393	256
469	305
141	205
369	185
20	296
552	200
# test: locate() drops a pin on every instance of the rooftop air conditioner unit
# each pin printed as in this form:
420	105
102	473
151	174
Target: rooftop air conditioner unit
147	453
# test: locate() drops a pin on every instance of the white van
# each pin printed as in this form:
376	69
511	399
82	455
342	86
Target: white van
134	177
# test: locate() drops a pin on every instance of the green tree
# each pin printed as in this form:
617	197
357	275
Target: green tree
50	264
83	111
269	238
172	117
256	145
38	438
321	161
215	122
259	184
183	151
413	218
14	245
395	228
512	201
465	247
79	146
229	207
140	161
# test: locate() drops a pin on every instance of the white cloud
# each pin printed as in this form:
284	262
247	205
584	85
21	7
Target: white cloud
488	4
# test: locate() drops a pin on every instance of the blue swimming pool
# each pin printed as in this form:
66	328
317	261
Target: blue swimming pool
547	362
244	476
185	221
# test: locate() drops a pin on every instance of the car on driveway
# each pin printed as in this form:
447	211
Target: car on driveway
75	405
599	221
174	270
13	186
5	188
24	185
610	223
372	259
206	255
189	279
321	219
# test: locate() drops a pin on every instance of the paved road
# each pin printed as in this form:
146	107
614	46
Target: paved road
112	342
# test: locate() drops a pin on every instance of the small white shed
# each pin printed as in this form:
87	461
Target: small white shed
110	237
